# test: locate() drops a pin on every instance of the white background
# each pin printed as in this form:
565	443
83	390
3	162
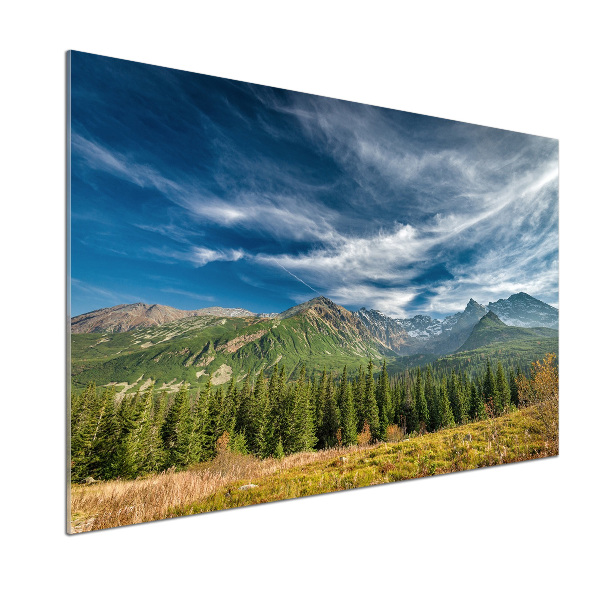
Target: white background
522	531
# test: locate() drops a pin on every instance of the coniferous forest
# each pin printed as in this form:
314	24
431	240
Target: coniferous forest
149	432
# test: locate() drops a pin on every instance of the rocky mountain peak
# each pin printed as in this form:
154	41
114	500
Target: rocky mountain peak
125	317
523	310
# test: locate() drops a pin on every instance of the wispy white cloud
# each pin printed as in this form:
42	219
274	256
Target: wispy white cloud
198	256
476	199
202	256
101	294
98	157
201	297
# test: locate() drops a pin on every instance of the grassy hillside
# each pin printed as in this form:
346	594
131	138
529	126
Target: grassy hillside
517	436
192	349
491	330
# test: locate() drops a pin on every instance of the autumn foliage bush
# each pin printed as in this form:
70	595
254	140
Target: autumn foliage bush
364	437
541	391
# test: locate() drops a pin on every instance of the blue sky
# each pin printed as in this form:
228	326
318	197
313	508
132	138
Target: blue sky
196	191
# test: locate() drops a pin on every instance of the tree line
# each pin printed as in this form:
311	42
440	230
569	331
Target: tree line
150	431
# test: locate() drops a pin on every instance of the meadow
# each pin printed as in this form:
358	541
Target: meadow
219	484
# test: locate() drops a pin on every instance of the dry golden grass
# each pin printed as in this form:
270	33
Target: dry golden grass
114	503
515	436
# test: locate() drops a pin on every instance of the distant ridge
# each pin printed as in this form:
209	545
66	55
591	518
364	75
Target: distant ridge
491	330
421	333
126	317
140	343
523	310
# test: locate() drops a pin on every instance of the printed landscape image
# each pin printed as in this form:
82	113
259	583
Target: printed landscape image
276	294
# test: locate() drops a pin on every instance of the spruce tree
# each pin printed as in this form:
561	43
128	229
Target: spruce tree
397	403
477	407
489	386
103	464
331	416
347	411
229	410
502	398
216	410
243	416
384	402
256	426
371	411
410	410
149	442
421	402
319	407
273	429
303	436
430	398
358	395
175	431
129	460
85	424
457	400
213	400
514	388
444	408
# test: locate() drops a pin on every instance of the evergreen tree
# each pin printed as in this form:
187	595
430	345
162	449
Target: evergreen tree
444	408
257	419
175	431
243	416
129	461
457	400
237	443
85	424
371	411
103	464
331	416
384	402
502	398
430	398
358	395
347	411
477	406
410	411
210	406
229	410
489	386
514	387
319	406
303	436
397	404
420	402
216	412
275	415
148	440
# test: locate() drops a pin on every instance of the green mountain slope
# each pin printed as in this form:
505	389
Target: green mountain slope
319	335
491	330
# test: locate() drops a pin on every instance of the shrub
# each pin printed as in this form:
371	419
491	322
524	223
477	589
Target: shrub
364	437
395	433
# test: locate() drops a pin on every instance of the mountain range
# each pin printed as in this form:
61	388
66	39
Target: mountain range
420	333
134	344
425	334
